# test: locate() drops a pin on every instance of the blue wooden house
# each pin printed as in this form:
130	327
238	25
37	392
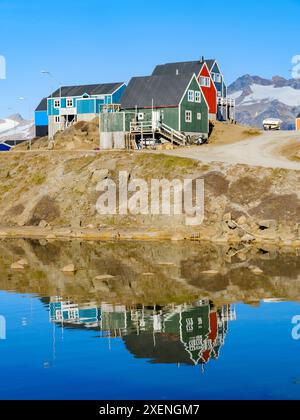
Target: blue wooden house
70	104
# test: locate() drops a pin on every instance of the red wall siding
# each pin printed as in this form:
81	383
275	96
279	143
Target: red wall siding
210	93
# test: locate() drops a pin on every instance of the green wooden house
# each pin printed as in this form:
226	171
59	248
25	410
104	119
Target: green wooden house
167	104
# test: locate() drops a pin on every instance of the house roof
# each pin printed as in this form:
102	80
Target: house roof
97	89
42	105
298	116
189	67
162	90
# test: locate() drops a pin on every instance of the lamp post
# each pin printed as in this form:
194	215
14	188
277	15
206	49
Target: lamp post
49	74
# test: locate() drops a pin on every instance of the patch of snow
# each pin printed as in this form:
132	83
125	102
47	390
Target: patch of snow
11	129
7	125
286	95
236	95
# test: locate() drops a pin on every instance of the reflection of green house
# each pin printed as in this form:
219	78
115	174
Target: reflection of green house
193	328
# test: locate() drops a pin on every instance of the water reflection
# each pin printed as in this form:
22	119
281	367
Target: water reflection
182	334
168	305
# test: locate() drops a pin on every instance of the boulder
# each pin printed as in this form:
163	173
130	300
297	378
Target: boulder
248	238
17	266
256	270
104	277
267	224
69	268
23	261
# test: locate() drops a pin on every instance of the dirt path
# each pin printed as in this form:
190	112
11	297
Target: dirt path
264	151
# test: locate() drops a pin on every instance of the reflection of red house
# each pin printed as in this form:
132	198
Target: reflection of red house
213	335
209	90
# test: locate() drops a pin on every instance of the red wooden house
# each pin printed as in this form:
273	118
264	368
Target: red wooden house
209	90
204	75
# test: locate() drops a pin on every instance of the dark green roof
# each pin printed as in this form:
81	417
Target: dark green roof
162	90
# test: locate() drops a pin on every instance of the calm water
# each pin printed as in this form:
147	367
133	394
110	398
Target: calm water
160	324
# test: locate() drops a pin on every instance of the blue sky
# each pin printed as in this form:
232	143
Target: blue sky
94	41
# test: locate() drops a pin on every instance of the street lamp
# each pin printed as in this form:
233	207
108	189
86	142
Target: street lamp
48	73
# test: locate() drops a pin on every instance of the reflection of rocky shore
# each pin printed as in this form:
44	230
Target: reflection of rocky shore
185	334
150	273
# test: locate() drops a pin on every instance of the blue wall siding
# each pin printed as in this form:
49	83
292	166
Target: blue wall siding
221	87
86	106
51	109
41	118
118	95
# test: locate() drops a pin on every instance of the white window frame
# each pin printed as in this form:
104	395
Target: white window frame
199	116
218	78
198	96
141	116
191	96
188	117
205	81
71	100
213	76
57	119
57	103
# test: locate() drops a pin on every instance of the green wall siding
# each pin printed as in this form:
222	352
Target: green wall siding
171	118
196	126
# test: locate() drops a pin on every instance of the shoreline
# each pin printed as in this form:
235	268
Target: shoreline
146	235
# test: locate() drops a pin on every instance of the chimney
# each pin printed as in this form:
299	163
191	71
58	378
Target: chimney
202	59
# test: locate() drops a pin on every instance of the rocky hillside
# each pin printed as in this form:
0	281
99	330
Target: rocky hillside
54	190
259	98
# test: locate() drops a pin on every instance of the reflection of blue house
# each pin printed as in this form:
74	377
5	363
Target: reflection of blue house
68	312
70	104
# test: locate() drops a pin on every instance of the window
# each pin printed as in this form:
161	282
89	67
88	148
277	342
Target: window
204	81
70	103
213	76
57	103
199	116
57	119
198	97
218	78
191	96
141	116
188	116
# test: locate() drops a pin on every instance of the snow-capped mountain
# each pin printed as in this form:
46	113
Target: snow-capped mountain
259	98
16	128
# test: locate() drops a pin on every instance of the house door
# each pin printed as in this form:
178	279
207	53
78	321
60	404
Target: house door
155	119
